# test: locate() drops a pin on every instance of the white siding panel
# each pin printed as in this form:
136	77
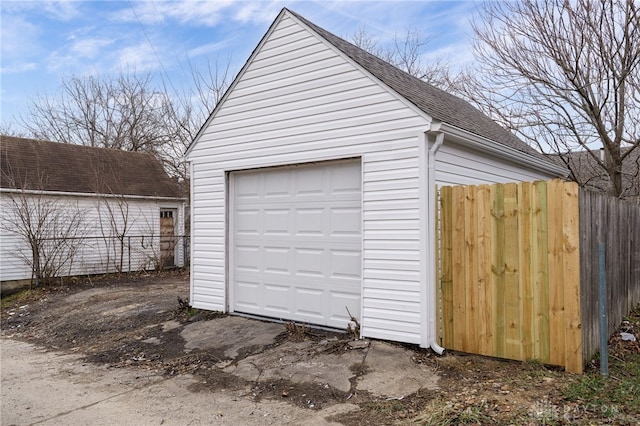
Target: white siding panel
456	165
99	250
298	102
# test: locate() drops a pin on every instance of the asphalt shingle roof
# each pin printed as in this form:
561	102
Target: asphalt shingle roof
50	166
434	102
589	174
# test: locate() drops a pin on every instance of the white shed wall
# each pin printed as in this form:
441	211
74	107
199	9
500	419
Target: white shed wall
458	165
299	101
99	251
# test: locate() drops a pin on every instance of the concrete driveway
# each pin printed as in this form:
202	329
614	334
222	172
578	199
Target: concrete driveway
50	388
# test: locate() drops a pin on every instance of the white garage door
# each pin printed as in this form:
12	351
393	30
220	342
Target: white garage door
296	242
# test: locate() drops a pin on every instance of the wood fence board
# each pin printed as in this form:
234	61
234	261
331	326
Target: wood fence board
540	271
588	272
460	337
471	270
485	292
556	279
527	318
512	291
497	267
571	278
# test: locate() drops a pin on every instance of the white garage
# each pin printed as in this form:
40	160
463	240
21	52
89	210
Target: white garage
296	242
313	186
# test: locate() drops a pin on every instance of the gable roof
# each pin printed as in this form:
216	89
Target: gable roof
434	102
30	164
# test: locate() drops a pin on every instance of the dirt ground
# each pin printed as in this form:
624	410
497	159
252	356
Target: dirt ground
138	323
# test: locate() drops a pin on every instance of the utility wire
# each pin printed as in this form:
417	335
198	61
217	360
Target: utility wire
155	53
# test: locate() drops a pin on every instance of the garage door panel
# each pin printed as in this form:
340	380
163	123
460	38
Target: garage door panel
248	222
345	180
277	185
247	187
247	258
277	259
345	263
276	298
248	294
309	181
307	302
346	221
297	242
342	304
310	262
310	221
276	221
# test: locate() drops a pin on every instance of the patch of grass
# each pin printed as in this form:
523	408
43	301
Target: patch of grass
444	413
620	391
21	297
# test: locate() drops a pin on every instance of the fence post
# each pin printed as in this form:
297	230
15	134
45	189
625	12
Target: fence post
184	252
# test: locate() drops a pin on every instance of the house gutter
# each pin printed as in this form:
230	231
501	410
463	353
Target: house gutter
437	136
88	194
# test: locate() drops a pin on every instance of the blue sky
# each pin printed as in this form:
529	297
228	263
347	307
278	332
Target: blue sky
44	41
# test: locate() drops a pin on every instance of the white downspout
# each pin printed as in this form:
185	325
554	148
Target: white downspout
431	247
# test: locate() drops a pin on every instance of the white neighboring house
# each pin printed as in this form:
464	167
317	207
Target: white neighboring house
114	210
313	186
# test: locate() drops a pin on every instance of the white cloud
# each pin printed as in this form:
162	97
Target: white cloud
17	67
207	48
63	10
195	12
20	47
140	58
206	13
258	12
89	47
18	35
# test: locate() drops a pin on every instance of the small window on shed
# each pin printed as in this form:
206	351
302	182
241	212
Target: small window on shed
166	213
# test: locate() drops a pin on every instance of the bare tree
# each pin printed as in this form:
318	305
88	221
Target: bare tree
115	225
565	76
129	112
49	231
407	53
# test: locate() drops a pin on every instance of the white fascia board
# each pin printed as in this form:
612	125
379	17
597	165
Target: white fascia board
89	195
233	84
487	145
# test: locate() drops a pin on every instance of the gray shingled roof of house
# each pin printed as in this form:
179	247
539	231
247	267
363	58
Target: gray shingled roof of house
59	167
432	101
588	173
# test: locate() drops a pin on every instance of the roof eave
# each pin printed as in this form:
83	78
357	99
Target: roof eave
89	194
488	145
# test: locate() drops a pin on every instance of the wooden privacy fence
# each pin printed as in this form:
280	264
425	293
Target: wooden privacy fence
510	271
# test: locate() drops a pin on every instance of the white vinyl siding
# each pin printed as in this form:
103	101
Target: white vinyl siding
99	250
298	102
457	165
